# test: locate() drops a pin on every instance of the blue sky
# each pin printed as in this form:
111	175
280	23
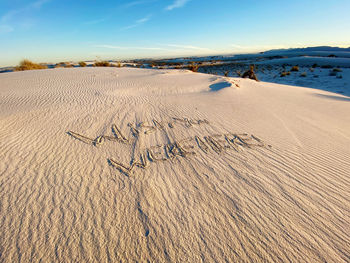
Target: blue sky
61	30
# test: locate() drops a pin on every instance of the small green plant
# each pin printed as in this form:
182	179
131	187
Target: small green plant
295	68
303	75
82	64
28	65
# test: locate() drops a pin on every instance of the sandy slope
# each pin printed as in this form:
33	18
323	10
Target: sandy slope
69	136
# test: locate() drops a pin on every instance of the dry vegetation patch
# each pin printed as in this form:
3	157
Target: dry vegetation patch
82	64
29	65
102	64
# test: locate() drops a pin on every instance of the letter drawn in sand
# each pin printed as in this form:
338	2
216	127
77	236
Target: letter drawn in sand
141	163
80	137
118	135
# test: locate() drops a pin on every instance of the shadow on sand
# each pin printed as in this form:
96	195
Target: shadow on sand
333	97
219	86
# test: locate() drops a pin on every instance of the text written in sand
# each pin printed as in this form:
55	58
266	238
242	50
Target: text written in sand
183	148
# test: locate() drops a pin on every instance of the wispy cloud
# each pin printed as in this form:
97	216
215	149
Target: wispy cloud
34	5
123	47
172	48
143	20
189	47
138	22
177	4
140	2
96	21
255	48
5	29
8	16
39	3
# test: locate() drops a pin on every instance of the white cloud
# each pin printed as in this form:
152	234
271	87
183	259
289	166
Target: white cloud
177	4
138	22
143	20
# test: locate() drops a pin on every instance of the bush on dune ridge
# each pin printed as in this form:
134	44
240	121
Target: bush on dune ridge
102	64
28	65
193	67
82	64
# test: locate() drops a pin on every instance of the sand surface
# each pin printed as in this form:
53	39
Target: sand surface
126	165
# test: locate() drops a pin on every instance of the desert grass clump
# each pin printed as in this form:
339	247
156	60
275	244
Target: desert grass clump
303	75
250	73
102	64
295	68
284	74
226	73
82	64
28	65
193	67
68	65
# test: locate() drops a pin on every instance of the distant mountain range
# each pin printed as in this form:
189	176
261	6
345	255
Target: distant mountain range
311	49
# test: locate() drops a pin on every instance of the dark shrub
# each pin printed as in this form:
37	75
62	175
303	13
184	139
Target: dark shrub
250	73
193	67
295	68
284	74
337	70
102	64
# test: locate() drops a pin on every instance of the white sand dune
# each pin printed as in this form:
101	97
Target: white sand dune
126	165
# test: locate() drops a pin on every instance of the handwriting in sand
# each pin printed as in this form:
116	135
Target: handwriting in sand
184	148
